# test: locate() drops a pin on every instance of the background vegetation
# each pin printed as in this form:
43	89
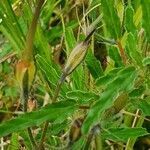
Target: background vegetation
75	74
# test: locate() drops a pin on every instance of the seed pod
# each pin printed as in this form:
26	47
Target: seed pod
75	58
77	55
79	52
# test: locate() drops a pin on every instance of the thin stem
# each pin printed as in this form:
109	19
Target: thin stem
135	119
25	91
25	95
31	33
135	115
58	87
28	56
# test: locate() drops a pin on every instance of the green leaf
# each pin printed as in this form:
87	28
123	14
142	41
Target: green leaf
146	61
14	143
6	49
114	54
57	31
48	10
50	112
9	31
57	128
25	136
70	39
146	17
50	74
79	144
11	23
129	24
142	105
135	4
93	65
123	134
104	80
137	92
122	83
42	45
81	96
111	18
77	76
132	49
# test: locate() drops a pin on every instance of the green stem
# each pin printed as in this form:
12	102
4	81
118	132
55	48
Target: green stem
31	33
25	95
28	56
58	87
25	91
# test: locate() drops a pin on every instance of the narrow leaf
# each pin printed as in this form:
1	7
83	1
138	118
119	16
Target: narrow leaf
50	112
146	17
14	143
76	76
129	24
82	96
146	61
114	54
111	18
142	105
123	134
93	65
132	49
69	39
104	80
49	72
123	82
